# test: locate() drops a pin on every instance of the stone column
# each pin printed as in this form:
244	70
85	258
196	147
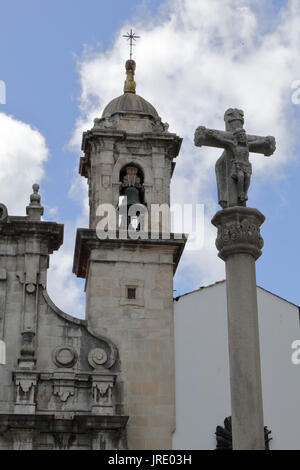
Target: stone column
239	243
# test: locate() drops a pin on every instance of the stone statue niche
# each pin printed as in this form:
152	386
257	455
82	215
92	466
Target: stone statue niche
132	179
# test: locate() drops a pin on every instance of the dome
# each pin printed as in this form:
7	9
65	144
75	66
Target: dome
129	103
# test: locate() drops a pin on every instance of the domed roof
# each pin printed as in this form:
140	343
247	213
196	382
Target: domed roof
129	102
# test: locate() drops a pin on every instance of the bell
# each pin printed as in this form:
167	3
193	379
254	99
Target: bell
133	195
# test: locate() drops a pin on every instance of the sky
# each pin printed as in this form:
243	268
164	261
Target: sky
63	61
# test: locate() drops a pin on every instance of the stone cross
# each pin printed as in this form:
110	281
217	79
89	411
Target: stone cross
233	168
239	244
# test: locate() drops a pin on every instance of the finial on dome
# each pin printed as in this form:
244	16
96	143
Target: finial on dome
131	37
35	210
129	85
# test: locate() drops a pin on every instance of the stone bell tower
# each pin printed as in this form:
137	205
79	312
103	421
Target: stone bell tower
129	282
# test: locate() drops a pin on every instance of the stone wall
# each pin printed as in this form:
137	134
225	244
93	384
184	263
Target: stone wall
142	329
57	386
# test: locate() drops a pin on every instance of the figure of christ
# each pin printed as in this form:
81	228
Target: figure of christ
233	168
237	154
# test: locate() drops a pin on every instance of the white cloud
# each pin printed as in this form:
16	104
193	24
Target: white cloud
65	290
79	193
23	152
193	62
52	211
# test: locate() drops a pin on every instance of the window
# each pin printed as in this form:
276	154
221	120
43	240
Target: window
131	293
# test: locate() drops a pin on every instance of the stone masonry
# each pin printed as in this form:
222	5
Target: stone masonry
130	132
105	382
57	383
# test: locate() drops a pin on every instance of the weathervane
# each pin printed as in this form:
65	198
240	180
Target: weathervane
132	37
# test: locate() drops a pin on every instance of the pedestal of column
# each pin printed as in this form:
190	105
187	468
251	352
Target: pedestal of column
239	243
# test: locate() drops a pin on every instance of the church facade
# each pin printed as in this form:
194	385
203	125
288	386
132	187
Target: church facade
105	382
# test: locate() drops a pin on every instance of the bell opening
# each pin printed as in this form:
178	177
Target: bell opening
132	180
131	196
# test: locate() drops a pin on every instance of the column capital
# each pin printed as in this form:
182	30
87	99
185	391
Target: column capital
238	231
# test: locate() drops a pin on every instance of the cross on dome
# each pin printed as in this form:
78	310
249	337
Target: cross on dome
131	37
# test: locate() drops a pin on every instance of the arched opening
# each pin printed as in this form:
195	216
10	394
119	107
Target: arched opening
132	180
131	195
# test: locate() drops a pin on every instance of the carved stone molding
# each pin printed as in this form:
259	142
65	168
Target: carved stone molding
23	439
64	385
97	145
238	231
63	440
30	288
63	392
97	357
106	181
27	359
27	348
64	356
26	386
102	387
93	338
102	431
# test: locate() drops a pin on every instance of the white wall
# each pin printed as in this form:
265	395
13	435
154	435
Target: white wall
202	370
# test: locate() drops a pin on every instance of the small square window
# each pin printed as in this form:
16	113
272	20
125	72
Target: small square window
131	293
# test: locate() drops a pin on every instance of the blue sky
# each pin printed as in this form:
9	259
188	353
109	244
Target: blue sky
55	54
39	46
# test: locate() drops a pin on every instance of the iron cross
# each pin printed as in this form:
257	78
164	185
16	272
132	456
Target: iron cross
131	37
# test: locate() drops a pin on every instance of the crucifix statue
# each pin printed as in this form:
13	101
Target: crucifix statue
233	168
239	244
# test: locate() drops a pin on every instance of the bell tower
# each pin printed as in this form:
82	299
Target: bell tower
129	153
